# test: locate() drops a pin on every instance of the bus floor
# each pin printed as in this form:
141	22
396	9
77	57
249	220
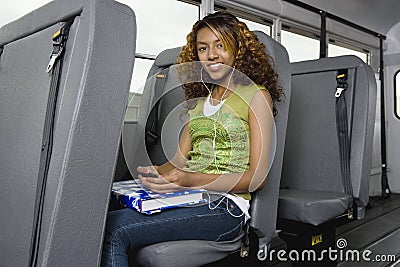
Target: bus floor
372	241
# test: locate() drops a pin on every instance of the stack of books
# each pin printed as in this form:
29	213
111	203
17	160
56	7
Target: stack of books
132	195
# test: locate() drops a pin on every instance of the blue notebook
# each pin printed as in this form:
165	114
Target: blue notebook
130	194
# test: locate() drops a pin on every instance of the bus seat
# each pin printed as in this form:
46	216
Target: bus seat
54	214
264	202
313	199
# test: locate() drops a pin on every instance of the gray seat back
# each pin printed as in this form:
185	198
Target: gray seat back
92	97
264	203
311	160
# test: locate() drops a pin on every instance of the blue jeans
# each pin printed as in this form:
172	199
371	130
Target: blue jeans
126	228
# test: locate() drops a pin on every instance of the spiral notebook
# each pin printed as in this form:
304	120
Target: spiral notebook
132	195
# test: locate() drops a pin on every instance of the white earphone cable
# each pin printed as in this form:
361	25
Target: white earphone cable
224	196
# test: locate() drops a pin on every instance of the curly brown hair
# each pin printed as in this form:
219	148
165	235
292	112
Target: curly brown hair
250	56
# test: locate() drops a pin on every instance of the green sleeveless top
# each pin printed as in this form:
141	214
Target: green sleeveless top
230	125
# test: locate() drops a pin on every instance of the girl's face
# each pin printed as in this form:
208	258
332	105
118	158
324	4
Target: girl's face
213	55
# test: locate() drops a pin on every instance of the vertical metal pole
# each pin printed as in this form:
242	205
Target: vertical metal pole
206	7
277	27
322	42
384	179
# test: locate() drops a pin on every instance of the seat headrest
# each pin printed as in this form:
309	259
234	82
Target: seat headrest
167	57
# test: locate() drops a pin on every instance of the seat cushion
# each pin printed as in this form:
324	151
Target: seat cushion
313	207
186	253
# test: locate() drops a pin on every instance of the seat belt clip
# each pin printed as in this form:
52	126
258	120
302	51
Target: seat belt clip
59	39
341	82
53	59
339	92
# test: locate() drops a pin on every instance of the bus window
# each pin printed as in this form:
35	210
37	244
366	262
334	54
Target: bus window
162	24
13	10
158	29
300	47
335	50
397	94
140	71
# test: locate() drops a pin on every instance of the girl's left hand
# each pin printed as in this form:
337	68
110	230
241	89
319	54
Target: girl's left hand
174	180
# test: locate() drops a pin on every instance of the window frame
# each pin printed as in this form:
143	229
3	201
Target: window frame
396	89
244	14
